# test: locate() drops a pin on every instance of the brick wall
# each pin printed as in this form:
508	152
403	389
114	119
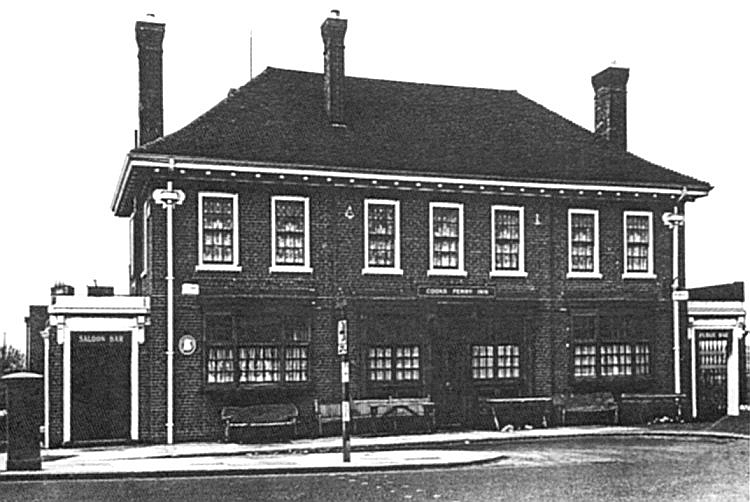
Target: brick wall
546	296
35	323
55	392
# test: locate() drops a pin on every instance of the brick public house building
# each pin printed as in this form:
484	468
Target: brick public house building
478	245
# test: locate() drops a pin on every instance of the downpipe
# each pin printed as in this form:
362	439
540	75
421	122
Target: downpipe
170	198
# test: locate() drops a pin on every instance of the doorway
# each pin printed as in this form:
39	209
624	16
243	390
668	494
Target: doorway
100	386
450	372
712	373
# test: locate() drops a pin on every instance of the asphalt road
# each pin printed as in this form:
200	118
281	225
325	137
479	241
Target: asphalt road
572	469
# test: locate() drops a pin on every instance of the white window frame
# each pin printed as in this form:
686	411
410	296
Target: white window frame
521	272
299	269
595	274
144	233
220	267
396	268
460	271
649	274
131	235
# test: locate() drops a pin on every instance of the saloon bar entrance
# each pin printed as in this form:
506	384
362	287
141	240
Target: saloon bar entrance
100	373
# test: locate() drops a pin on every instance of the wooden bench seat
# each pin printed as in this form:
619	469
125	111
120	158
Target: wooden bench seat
259	415
535	409
593	402
639	408
379	410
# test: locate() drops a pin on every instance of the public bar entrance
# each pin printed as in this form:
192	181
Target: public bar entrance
712	373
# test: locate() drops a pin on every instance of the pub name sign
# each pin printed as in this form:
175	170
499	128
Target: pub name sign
456	291
100	338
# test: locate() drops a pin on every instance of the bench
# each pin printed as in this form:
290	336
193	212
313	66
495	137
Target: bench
641	408
259	415
511	409
593	402
378	410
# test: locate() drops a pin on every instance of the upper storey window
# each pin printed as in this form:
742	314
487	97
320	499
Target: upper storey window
446	239
146	221
218	231
583	243
290	239
638	244
382	237
507	241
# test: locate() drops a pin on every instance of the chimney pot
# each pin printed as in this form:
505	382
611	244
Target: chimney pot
610	105
61	289
333	30
101	290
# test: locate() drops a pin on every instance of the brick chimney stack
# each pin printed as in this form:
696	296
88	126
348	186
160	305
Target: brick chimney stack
610	105
149	35
333	30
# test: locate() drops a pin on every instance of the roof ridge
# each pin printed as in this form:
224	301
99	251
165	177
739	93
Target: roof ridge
390	81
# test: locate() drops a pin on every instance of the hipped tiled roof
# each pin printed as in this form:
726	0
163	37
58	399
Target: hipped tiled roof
399	127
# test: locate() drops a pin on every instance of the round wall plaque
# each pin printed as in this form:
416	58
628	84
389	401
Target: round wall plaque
187	345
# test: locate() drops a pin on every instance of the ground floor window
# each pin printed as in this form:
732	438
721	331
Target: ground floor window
495	361
584	361
259	364
642	360
614	360
605	346
393	363
249	351
295	364
220	365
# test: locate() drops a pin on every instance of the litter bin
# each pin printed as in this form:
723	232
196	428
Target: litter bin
24	404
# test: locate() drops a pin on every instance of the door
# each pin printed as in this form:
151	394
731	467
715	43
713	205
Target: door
100	386
450	367
712	373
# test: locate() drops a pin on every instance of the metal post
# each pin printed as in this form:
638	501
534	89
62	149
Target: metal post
345	412
168	199
674	221
170	321
343	350
675	303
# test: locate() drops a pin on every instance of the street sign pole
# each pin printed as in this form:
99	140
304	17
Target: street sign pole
345	413
343	350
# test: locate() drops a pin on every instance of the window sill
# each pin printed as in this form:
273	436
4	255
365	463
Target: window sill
448	273
612	378
290	269
633	275
496	381
383	384
382	271
508	273
206	267
583	275
248	386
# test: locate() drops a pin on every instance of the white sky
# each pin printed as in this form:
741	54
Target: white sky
69	102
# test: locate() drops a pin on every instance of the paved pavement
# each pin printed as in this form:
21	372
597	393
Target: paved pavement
304	455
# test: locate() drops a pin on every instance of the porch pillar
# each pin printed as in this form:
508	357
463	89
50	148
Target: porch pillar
733	370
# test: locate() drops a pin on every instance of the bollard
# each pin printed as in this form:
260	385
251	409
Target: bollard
24	404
